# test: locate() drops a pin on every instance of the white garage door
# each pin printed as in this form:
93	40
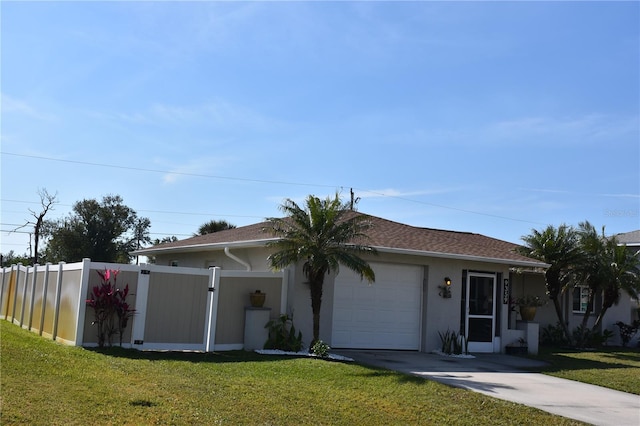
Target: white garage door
382	315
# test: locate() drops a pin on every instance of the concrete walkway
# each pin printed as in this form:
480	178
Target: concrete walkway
506	377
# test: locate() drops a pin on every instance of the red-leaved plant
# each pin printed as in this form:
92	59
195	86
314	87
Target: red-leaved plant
112	312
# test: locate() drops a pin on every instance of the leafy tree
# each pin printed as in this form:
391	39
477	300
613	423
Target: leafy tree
323	234
11	258
214	226
559	248
97	230
141	236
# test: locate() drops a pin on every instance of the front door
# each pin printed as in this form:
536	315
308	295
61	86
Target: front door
481	311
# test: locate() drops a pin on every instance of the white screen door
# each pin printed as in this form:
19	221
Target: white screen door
481	311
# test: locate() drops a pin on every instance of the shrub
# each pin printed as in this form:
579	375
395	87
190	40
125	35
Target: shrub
553	335
627	331
452	343
109	303
282	335
320	349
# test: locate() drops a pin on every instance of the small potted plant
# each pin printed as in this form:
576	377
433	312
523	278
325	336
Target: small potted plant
528	305
257	298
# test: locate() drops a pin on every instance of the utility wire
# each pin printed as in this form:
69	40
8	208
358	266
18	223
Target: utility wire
140	169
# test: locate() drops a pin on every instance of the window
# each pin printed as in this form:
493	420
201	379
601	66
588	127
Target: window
580	299
173	263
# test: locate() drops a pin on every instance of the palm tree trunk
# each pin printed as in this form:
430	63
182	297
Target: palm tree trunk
587	313
316	302
563	324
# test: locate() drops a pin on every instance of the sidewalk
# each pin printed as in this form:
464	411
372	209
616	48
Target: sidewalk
505	377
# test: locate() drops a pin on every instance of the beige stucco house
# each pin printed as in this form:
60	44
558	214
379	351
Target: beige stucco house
407	306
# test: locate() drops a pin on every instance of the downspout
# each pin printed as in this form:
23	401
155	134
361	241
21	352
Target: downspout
236	258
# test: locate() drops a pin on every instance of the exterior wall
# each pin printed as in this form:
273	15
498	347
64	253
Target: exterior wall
234	298
534	284
439	314
256	257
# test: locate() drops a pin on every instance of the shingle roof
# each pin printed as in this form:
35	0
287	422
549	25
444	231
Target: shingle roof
385	235
629	238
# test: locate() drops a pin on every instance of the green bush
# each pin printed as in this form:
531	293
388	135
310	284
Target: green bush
320	349
452	343
282	335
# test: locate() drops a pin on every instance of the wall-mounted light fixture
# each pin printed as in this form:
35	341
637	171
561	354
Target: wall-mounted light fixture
445	289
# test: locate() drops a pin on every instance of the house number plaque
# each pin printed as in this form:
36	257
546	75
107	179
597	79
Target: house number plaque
505	291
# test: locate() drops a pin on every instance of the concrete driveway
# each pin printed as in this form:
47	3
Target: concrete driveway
506	377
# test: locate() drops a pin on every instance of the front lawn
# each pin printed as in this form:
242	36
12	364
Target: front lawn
46	383
615	368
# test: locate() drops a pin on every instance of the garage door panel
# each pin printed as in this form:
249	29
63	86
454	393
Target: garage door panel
382	315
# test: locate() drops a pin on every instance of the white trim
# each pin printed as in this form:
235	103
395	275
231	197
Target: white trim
45	286
482	346
15	293
456	256
82	305
212	311
33	296
24	296
142	297
181	347
234	273
204	247
423	253
56	301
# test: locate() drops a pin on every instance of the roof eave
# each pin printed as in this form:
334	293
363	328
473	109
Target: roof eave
457	256
202	247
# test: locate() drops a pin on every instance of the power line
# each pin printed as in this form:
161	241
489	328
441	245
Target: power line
262	181
140	169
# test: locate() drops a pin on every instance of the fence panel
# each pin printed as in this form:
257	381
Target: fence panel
176	311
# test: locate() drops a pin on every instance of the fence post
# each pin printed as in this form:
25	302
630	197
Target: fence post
15	292
4	280
24	296
44	296
212	314
142	296
56	303
82	297
33	295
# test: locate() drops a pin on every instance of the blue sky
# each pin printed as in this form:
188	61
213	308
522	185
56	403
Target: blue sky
486	117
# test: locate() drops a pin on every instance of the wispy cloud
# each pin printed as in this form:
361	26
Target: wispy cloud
585	194
569	130
397	193
219	113
11	105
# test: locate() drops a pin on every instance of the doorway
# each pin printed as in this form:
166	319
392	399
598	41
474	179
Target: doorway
481	311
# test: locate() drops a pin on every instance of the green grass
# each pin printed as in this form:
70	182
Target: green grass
46	383
614	368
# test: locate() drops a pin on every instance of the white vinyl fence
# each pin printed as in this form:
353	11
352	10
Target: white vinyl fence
175	308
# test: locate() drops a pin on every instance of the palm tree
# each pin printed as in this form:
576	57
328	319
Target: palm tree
324	235
214	226
606	268
559	248
588	269
622	273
